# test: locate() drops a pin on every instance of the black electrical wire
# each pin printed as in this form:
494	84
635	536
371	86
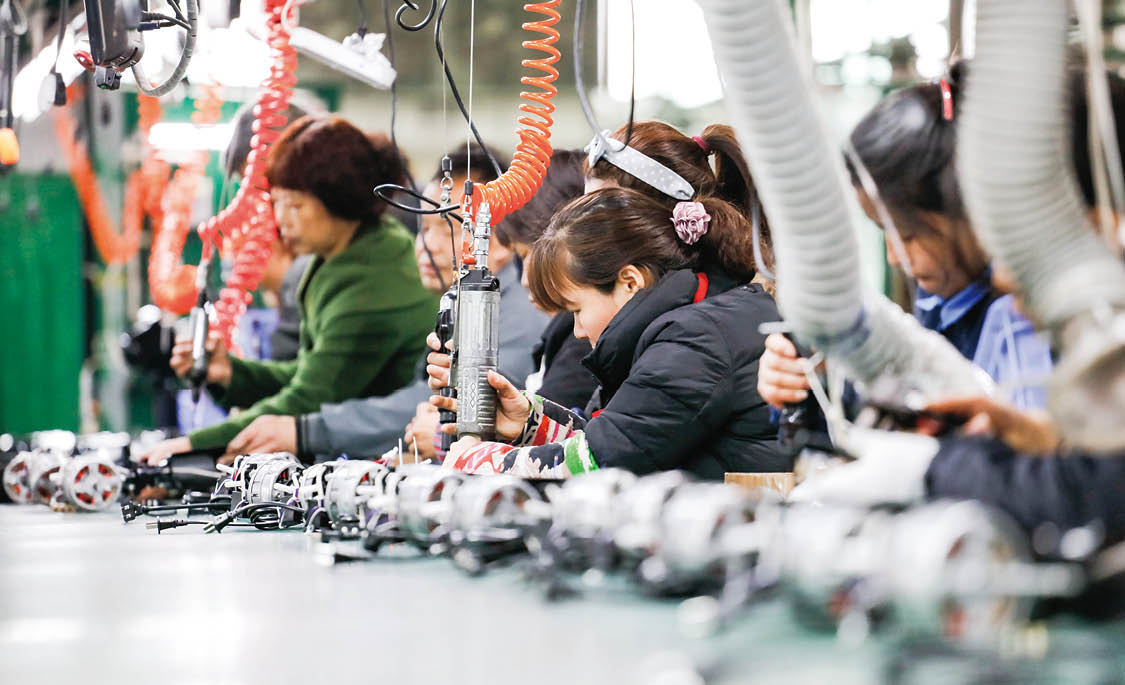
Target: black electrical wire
457	93
250	511
362	28
394	141
394	90
579	83
384	190
410	5
163	525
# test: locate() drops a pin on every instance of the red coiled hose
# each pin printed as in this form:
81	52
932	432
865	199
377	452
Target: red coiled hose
172	283
533	154
246	226
142	190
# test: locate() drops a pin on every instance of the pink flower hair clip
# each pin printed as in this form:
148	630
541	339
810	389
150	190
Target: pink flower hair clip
690	220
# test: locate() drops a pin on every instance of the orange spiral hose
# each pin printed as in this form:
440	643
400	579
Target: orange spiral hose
172	283
142	190
533	154
245	228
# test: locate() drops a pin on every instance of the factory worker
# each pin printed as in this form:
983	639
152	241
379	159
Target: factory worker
368	427
560	375
907	143
364	310
677	367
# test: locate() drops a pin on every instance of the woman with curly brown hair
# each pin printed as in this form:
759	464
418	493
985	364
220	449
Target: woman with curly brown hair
364	312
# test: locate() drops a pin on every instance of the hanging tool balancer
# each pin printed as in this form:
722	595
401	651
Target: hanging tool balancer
476	346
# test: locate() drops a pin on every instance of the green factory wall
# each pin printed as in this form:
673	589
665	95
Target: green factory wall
42	301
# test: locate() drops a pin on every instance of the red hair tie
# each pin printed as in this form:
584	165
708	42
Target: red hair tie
946	100
702	144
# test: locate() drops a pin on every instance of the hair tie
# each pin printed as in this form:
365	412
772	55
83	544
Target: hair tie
702	144
946	100
690	220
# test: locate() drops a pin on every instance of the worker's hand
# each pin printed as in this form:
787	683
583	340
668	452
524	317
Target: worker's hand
218	369
159	453
437	363
420	431
511	413
266	434
459	448
1022	431
781	376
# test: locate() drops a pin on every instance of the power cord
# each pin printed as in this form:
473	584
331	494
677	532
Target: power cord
251	512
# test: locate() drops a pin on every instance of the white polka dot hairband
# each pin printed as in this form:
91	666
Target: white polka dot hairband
638	165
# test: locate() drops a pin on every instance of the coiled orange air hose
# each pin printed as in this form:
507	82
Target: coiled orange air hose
246	226
533	154
172	283
142	191
244	229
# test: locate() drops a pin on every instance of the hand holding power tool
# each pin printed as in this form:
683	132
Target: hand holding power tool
476	350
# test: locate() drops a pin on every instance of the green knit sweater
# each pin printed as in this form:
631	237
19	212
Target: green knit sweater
364	320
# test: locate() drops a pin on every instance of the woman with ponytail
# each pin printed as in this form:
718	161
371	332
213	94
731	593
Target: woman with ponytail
710	165
677	366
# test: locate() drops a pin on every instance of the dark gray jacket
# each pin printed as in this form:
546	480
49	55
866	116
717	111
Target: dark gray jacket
370	426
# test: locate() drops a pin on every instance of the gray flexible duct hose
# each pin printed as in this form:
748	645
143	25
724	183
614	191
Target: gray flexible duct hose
1024	203
798	175
1016	176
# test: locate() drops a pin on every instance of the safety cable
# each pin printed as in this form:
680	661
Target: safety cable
418	228
456	93
472	46
361	29
632	70
579	82
385	190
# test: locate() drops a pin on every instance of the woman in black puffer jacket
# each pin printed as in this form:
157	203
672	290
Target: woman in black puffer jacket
676	355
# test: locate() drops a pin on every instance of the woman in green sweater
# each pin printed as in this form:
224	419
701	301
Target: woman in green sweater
364	312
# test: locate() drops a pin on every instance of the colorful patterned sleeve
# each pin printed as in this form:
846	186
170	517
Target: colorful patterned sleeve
551	445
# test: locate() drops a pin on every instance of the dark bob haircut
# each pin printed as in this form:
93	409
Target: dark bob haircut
337	163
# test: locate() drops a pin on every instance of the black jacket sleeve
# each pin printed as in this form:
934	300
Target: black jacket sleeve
1068	491
675	396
